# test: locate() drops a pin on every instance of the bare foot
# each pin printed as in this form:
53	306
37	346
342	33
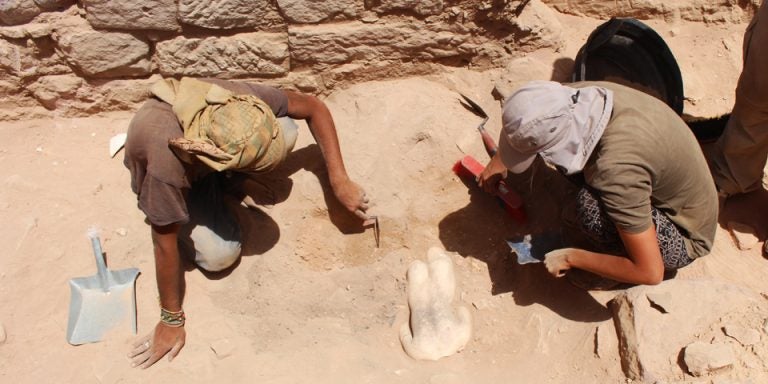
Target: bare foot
436	329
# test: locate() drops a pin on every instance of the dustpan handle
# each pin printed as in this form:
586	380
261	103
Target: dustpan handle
100	264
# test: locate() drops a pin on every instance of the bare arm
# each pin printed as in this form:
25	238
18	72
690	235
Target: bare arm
320	121
170	282
170	278
643	266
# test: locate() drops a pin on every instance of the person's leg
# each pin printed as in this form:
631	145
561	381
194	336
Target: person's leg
212	231
740	154
595	225
601	233
671	242
596	232
290	133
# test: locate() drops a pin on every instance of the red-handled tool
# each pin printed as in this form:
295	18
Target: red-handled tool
468	168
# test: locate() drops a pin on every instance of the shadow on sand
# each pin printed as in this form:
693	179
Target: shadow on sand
259	231
479	230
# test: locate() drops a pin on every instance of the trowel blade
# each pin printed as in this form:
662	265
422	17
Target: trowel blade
531	248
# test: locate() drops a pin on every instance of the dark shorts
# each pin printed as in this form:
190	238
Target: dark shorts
602	233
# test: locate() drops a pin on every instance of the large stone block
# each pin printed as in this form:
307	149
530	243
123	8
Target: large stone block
536	26
31	58
242	55
420	7
27	31
104	54
48	90
54	5
655	323
115	95
314	11
15	12
139	14
692	10
10	57
226	14
356	41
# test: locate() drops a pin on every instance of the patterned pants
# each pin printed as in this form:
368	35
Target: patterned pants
601	232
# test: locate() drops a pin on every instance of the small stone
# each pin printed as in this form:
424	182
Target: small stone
745	336
222	348
702	358
3	335
743	234
765	326
121	231
39	149
369	19
307	83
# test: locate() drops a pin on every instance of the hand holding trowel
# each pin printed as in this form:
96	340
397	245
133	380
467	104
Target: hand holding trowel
101	302
532	248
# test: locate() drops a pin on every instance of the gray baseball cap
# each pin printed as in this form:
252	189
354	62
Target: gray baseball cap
560	123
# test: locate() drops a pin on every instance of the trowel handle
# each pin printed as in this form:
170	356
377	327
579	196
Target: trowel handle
490	145
100	264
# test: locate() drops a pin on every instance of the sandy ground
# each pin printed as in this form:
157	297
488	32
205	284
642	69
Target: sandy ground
313	300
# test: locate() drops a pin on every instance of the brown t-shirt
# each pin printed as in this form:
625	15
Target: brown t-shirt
647	157
158	177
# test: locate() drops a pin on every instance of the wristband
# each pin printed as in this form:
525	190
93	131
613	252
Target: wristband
172	319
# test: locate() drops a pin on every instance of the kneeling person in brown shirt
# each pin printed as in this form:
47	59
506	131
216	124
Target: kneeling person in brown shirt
178	183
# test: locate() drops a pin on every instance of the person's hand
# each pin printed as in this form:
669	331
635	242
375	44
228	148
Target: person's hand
151	348
557	261
352	197
493	173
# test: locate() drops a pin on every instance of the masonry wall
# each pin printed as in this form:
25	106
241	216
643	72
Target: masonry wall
64	57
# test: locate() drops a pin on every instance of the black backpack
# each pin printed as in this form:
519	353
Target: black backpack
627	51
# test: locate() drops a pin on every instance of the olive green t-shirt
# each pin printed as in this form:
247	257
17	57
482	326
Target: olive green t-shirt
647	157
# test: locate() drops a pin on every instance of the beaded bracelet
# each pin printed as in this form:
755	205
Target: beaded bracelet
172	319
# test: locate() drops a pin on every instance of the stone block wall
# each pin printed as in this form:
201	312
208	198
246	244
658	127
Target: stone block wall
67	57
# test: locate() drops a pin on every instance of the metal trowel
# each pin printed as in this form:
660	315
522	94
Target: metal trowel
101	302
532	248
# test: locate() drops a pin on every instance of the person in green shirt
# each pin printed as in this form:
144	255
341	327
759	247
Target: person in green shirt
647	203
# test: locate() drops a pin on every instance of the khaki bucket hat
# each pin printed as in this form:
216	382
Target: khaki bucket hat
560	123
